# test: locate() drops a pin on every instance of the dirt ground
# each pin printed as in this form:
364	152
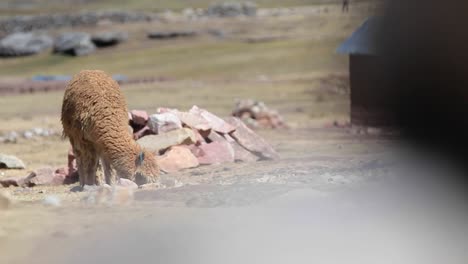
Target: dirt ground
335	196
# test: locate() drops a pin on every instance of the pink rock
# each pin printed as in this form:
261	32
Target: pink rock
229	138
177	158
164	122
62	171
139	117
127	183
161	110
193	120
70	177
241	154
251	141
216	123
142	132
44	176
199	137
215	153
214	136
14	181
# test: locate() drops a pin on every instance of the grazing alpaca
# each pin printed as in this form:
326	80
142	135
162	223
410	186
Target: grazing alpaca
95	119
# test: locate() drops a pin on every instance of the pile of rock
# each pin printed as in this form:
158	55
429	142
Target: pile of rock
181	140
232	9
197	137
257	115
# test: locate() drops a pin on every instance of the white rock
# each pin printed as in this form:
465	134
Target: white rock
52	200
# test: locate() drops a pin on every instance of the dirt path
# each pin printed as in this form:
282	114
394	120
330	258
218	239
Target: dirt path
315	162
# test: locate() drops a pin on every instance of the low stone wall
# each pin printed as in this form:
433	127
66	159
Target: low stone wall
42	22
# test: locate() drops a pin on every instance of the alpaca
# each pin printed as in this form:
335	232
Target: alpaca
95	119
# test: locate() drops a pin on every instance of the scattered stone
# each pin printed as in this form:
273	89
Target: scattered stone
52	200
155	143
215	153
216	123
28	134
256	114
164	122
23	44
177	158
251	141
232	9
74	43
5	200
170	34
44	176
217	33
127	183
139	117
10	162
106	39
11	137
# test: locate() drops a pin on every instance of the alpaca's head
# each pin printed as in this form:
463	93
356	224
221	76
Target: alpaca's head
147	170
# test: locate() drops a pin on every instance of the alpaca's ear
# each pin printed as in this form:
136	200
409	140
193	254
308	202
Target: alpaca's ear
140	158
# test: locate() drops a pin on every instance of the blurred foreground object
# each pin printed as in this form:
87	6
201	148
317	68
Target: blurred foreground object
425	70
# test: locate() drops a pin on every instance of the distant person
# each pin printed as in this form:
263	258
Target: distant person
345	7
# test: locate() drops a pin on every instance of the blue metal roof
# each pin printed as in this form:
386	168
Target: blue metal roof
362	41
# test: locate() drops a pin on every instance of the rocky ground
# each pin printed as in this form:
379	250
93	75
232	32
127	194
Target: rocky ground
337	194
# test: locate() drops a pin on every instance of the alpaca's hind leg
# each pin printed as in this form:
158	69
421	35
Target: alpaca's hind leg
108	173
93	162
80	162
87	161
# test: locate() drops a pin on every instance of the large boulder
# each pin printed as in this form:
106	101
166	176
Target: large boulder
164	122
177	158
110	38
74	43
215	153
139	117
250	141
23	44
45	176
215	123
156	143
10	162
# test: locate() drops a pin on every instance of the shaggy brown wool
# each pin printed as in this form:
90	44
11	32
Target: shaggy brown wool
95	119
